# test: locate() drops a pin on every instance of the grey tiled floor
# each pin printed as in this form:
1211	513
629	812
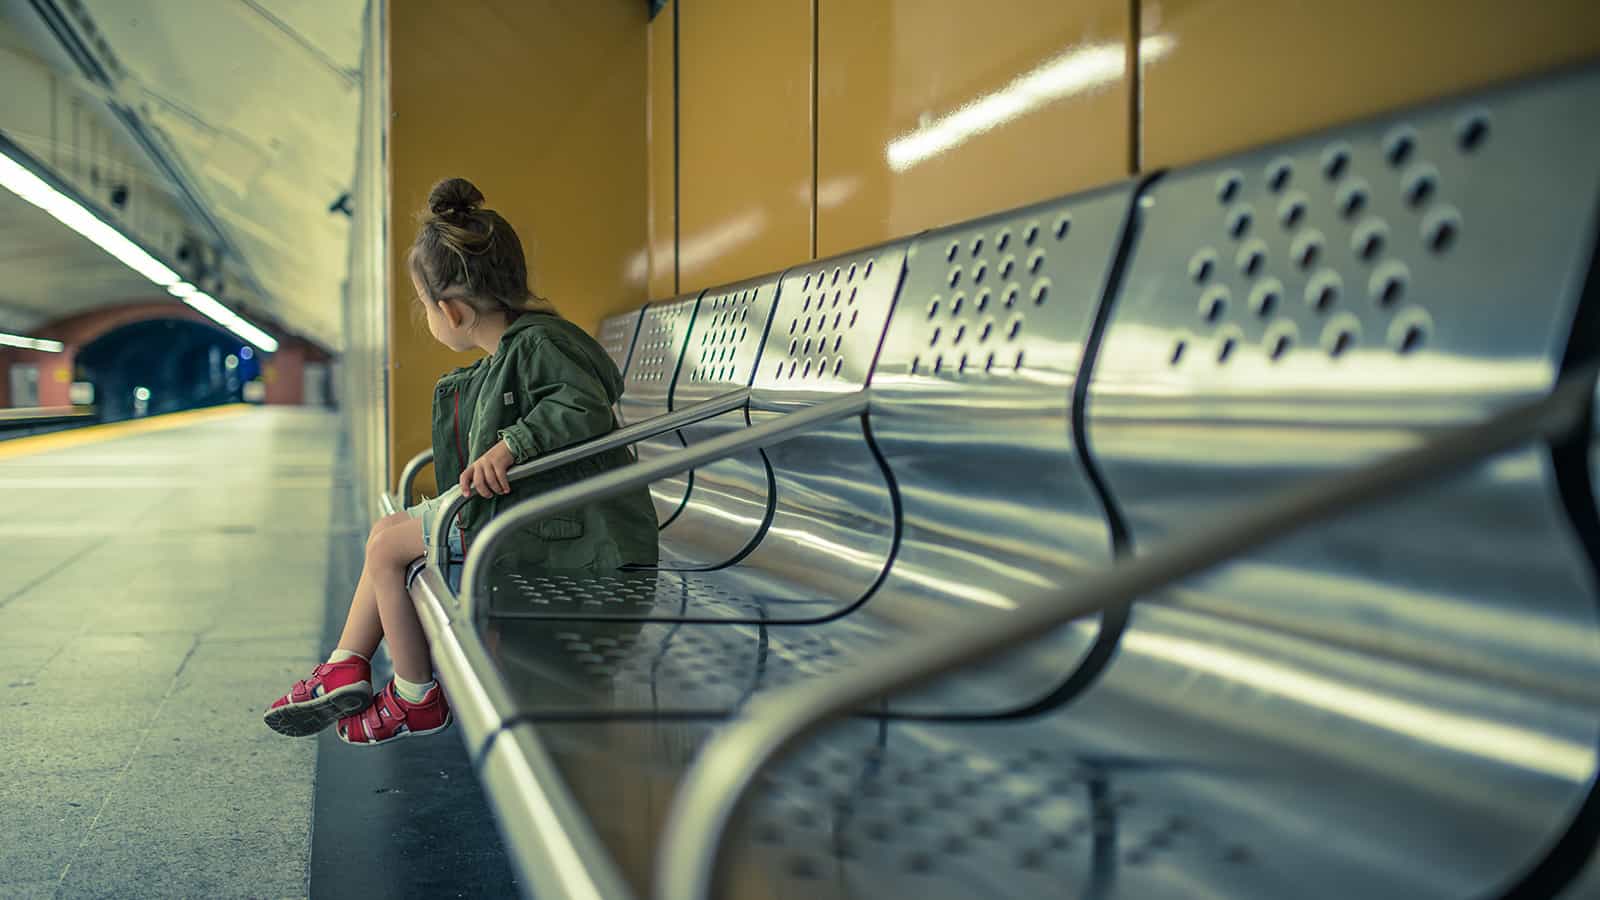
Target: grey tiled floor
156	591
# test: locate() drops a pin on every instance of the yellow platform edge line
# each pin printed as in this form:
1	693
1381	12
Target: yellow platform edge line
94	434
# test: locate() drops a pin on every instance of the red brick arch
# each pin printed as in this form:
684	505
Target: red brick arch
284	371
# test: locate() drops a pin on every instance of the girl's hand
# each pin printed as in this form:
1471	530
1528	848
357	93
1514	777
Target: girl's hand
487	474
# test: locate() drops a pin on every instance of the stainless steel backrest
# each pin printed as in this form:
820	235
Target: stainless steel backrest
729	499
833	522
1311	306
617	334
972	410
647	388
829	323
1417	271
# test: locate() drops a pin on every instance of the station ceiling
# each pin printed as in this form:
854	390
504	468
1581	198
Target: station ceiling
259	99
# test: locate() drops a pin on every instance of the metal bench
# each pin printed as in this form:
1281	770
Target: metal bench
1395	699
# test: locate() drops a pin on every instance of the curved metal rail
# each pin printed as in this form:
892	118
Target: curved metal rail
408	475
621	437
722	773
609	484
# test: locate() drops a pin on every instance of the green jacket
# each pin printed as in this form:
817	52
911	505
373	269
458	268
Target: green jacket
548	385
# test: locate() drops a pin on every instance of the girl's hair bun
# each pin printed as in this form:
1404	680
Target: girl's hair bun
454	196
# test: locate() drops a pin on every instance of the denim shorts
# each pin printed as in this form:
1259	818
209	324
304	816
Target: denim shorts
428	512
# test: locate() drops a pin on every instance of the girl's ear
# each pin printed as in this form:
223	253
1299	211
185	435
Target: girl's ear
451	310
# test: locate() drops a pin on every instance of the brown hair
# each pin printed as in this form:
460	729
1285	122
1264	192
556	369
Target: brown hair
470	254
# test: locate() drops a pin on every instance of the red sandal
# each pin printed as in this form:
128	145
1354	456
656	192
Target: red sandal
334	690
391	718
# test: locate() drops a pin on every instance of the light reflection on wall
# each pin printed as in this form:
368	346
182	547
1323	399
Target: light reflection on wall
708	245
1076	71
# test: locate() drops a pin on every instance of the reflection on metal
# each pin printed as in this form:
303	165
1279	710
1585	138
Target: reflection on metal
726	768
1367	408
626	436
647	389
971	409
553	844
476	569
1076	71
730	501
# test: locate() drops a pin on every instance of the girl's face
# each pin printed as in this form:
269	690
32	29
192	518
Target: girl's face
447	320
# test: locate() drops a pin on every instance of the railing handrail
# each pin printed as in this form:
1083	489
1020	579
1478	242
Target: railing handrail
617	481
655	426
723	771
408	475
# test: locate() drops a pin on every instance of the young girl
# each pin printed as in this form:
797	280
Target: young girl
544	385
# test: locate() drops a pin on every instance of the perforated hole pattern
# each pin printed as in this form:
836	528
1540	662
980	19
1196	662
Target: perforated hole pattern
991	281
828	310
1240	286
1029	811
655	357
646	594
726	331
687	666
615	335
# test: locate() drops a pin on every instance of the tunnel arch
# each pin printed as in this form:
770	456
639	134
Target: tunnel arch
152	366
284	373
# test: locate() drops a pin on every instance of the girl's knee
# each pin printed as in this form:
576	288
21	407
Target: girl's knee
396	545
384	524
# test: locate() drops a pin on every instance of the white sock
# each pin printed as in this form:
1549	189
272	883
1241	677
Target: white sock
342	655
411	691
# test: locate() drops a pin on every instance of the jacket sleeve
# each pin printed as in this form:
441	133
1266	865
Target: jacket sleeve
567	403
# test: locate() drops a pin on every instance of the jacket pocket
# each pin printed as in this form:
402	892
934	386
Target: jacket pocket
561	528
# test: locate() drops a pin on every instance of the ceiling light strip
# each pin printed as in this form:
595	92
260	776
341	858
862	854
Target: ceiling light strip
18	179
28	343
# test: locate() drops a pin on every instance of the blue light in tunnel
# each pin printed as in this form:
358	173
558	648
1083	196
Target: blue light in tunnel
247	352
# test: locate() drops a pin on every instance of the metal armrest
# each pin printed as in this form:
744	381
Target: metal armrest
771	723
617	481
655	426
408	475
553	844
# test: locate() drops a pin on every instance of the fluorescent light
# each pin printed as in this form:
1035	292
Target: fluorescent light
70	213
28	343
207	306
1078	70
16	178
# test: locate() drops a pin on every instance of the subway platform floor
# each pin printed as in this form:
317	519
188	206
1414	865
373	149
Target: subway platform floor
160	582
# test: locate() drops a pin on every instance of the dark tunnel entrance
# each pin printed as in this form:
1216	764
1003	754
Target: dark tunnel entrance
165	365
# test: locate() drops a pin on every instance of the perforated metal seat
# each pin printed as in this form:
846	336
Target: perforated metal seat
1390	705
647	391
829	530
730	501
1011	301
617	334
1398	704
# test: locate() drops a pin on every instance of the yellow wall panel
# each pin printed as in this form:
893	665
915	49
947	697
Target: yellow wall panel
744	138
543	107
934	112
1224	75
661	137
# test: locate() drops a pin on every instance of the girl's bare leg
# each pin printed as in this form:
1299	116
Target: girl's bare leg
390	551
363	627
